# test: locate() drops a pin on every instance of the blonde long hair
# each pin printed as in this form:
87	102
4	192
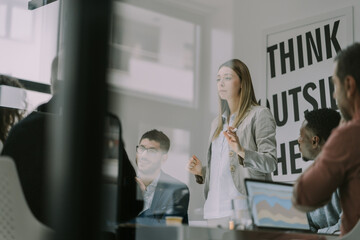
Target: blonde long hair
247	95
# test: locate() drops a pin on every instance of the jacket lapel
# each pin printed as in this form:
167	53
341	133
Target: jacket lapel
158	204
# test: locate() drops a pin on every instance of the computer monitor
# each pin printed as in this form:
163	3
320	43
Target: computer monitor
120	201
271	206
110	172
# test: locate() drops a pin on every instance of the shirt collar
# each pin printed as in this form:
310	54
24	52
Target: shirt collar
153	184
226	114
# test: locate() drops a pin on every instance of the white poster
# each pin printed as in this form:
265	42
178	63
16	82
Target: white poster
299	65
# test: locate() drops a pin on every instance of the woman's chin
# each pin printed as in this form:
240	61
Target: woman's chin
222	97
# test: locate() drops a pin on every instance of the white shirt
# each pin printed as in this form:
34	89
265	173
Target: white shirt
149	194
222	188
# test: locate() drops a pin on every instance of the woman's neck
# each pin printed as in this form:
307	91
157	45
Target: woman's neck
233	106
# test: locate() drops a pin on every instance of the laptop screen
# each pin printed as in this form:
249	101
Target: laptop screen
271	206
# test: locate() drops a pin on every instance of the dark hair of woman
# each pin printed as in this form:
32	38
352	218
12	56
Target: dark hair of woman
9	116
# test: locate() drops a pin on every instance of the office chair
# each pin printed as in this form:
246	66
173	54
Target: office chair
16	220
354	234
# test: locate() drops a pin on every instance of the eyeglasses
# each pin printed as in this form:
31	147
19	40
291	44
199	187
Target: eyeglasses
141	149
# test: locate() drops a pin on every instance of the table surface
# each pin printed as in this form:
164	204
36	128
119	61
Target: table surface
184	232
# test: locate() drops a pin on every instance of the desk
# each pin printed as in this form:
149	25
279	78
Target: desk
202	233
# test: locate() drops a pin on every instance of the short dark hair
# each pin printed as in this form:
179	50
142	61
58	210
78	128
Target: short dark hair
322	121
159	137
348	62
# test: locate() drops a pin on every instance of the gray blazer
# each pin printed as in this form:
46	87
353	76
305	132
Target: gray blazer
257	136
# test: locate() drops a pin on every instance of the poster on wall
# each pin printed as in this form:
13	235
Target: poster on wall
298	68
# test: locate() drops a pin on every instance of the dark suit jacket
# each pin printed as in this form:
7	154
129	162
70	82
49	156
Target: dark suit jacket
171	198
27	145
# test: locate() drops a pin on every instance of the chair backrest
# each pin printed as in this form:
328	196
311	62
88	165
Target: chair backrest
16	220
354	234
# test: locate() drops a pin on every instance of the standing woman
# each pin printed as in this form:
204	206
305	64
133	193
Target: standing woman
242	144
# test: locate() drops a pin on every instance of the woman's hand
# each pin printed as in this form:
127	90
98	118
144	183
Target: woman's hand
194	166
233	141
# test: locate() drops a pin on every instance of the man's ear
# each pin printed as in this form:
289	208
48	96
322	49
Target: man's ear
315	141
350	86
164	158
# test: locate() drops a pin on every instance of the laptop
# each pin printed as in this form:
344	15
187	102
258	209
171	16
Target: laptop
271	207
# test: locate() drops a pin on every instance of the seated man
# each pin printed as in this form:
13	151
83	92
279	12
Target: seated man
338	165
163	194
314	132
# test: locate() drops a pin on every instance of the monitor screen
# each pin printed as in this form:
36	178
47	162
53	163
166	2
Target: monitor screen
271	205
110	172
121	202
